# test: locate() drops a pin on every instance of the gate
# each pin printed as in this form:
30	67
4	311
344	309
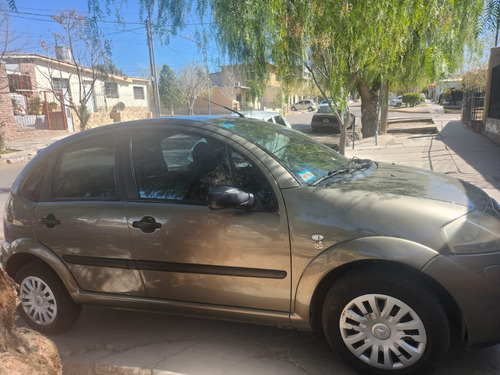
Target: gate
473	108
55	111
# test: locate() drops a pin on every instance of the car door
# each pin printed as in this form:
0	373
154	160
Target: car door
187	252
82	219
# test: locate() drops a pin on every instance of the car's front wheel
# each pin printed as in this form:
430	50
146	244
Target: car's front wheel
383	322
293	109
45	303
310	109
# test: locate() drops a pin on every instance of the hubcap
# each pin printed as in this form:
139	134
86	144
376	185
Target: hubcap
38	301
383	331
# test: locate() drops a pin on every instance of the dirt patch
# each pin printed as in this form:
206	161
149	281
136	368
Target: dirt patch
412	128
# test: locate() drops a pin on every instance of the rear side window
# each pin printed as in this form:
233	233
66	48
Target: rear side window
86	170
32	186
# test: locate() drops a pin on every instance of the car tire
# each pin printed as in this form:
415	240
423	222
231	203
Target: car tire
384	322
310	109
293	109
398	105
45	303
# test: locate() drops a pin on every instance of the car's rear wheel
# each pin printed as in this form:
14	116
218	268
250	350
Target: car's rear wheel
293	109
383	322
45	303
310	109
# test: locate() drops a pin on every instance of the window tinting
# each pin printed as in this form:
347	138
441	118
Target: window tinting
86	170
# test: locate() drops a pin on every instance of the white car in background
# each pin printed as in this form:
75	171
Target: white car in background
397	101
270	116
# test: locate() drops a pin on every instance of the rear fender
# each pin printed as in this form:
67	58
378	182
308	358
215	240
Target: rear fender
24	247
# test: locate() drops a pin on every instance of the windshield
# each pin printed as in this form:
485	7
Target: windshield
325	109
307	160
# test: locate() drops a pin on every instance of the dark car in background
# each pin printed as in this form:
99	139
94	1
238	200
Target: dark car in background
325	119
235	218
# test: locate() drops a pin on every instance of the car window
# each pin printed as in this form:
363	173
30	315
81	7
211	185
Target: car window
250	179
32	186
178	166
325	109
86	170
183	167
279	120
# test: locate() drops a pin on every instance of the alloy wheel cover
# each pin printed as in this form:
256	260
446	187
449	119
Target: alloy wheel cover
383	331
38	301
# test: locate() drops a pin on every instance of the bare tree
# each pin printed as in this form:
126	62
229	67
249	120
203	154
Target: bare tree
87	53
192	80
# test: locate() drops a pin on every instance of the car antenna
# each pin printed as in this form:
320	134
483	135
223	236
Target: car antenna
223	106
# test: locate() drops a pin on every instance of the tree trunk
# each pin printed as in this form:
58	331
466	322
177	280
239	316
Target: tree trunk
369	102
22	350
343	137
385	107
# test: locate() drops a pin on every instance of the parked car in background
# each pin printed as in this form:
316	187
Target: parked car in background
304	105
325	102
274	117
235	218
325	119
397	101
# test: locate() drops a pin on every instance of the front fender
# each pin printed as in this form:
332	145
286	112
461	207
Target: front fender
391	249
27	246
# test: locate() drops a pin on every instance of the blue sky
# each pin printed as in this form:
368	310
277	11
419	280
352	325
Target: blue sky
129	46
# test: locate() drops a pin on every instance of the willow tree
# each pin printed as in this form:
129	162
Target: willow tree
341	44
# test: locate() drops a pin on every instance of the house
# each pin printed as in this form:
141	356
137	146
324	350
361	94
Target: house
232	88
443	85
41	89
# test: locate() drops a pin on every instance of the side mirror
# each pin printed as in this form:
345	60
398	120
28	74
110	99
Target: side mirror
223	196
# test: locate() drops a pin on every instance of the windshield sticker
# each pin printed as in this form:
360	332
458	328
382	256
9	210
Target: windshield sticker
226	125
306	175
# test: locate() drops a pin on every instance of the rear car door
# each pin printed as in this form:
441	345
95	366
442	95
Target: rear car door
82	219
187	252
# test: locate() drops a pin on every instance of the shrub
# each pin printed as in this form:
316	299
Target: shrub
411	98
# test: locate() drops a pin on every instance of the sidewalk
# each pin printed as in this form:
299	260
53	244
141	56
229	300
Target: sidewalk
455	150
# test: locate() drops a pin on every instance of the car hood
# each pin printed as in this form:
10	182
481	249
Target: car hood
420	183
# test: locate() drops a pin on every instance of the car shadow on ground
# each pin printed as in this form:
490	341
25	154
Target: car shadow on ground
112	337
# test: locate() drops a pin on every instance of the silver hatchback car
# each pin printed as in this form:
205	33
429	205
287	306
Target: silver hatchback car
235	218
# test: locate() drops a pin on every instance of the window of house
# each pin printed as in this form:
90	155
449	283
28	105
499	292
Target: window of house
139	92
111	89
86	170
60	84
20	83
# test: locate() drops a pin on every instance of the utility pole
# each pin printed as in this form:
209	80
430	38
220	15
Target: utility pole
156	92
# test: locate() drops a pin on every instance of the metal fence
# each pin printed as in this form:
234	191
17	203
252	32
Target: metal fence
473	106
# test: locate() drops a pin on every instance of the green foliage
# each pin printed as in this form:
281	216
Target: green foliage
411	99
170	94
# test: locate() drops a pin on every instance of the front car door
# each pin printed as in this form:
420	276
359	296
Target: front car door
81	218
186	251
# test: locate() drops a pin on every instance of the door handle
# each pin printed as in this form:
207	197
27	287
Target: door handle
49	221
147	224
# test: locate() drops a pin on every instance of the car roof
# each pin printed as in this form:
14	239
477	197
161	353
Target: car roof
257	114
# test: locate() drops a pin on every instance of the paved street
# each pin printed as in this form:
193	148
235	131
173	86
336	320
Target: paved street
108	341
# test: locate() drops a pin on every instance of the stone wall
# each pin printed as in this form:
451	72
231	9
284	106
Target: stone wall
104	118
7	122
492	130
